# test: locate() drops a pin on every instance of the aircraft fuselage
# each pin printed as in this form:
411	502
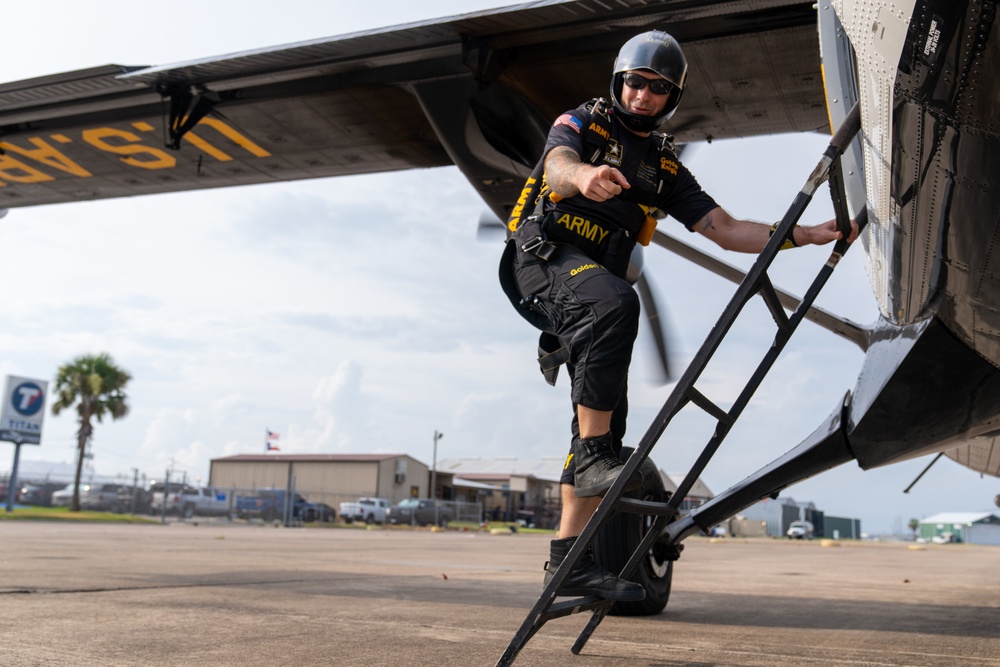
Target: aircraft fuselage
928	90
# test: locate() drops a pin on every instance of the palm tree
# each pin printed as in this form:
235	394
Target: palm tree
97	388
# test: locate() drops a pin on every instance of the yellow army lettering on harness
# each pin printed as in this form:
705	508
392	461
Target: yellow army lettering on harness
515	214
581	269
583	227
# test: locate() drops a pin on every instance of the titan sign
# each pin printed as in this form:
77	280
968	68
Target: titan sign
23	410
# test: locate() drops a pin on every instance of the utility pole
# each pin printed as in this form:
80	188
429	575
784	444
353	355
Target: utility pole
166	490
135	488
437	436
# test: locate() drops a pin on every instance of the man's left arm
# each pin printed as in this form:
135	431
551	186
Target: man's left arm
750	236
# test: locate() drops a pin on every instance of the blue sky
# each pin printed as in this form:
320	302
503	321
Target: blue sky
360	314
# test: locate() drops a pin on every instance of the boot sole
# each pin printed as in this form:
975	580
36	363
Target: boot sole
615	596
602	488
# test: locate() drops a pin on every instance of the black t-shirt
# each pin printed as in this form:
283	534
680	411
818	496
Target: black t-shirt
638	159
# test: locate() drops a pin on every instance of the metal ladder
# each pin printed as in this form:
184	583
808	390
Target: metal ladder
756	282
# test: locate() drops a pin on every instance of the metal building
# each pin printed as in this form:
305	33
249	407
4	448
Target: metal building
968	527
776	515
841	528
698	495
526	489
325	478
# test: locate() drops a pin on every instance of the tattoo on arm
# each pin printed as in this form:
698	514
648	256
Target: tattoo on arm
705	223
561	164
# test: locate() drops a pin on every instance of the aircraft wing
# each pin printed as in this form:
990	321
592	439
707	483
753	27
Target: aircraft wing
478	90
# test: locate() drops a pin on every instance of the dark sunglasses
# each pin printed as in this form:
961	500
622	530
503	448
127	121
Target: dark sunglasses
656	86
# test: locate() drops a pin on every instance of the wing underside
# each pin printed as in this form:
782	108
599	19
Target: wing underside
478	91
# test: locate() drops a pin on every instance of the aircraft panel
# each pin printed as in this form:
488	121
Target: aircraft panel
982	456
55	89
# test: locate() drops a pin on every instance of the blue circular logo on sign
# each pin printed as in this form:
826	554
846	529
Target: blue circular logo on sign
27	398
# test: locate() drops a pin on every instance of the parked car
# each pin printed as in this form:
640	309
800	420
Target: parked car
98	497
134	498
421	512
318	512
102	497
39	495
369	510
64	496
189	501
269	504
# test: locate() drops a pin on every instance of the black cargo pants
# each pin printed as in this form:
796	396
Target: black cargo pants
594	313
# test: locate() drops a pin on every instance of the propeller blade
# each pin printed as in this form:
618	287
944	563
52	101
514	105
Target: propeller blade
657	325
490	227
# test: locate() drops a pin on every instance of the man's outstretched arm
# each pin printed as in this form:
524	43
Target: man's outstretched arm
732	233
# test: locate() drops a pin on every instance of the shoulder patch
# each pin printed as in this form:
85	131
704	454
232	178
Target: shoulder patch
570	121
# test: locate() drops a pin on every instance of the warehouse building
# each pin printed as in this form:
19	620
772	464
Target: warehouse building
967	527
325	478
525	490
520	489
772	517
698	495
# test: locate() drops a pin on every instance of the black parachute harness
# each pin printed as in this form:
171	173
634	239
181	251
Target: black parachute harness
551	351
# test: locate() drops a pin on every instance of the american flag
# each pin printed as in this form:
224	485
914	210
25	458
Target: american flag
270	435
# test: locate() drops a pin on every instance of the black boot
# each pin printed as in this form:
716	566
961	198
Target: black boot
597	467
588	578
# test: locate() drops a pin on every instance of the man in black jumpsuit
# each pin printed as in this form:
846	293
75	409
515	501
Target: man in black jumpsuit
566	262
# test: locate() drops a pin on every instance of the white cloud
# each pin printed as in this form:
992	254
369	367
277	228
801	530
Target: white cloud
342	410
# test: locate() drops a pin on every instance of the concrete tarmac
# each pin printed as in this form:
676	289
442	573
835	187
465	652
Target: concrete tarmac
219	594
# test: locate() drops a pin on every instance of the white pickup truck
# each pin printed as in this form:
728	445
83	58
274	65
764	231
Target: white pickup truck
800	530
190	501
369	510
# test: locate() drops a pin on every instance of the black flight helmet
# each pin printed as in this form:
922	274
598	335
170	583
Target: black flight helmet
657	52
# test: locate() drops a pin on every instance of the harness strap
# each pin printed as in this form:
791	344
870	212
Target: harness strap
551	355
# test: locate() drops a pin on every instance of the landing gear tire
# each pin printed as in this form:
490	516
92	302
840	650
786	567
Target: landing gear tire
620	537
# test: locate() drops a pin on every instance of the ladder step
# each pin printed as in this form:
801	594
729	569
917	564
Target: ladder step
708	406
770	296
573	606
645	507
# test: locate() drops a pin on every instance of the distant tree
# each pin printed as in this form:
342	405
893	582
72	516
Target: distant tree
914	525
96	386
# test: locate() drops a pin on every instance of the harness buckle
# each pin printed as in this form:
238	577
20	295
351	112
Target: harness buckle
539	247
535	305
